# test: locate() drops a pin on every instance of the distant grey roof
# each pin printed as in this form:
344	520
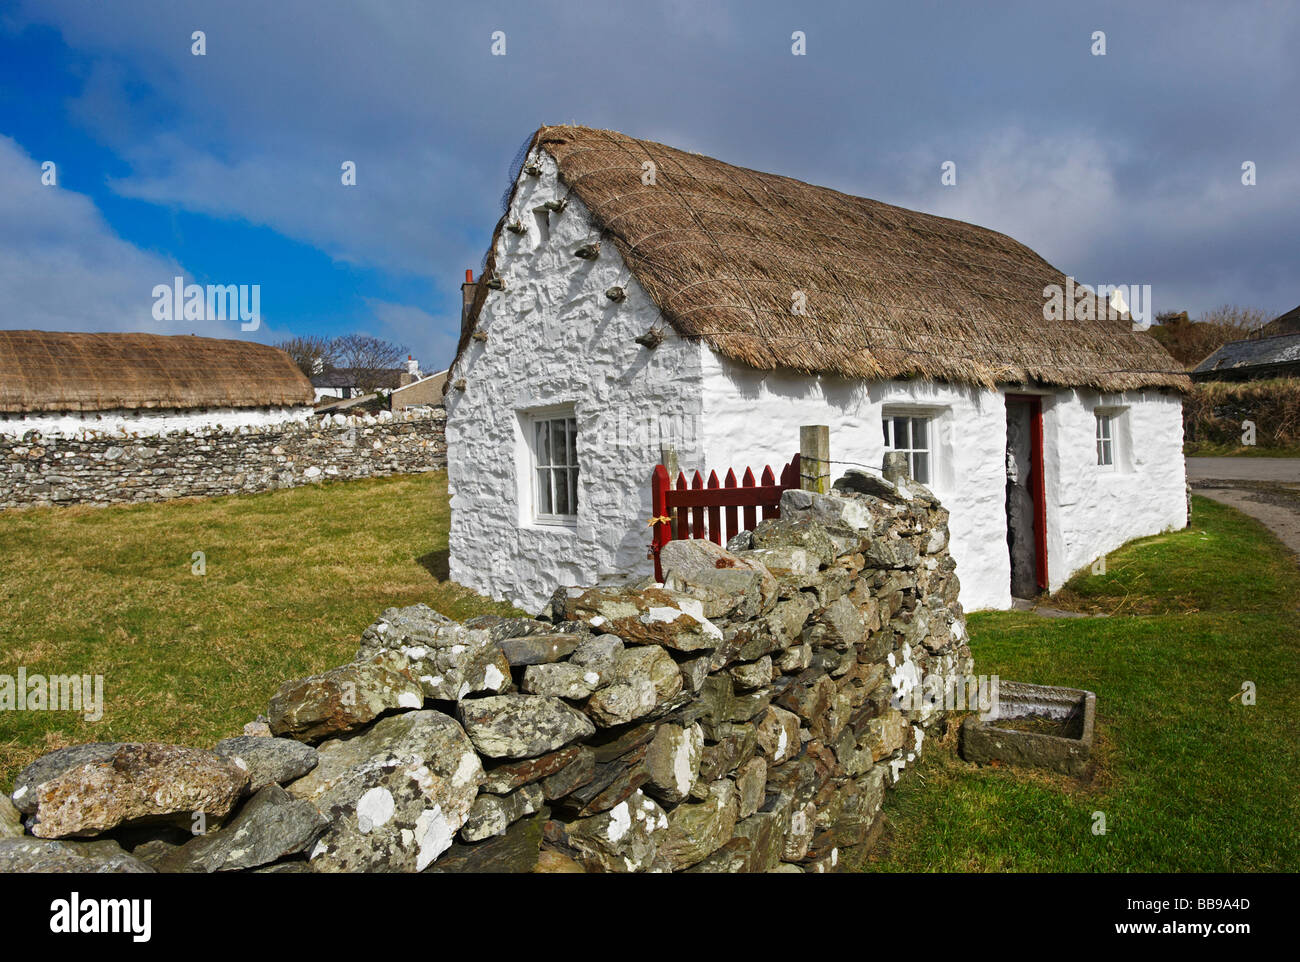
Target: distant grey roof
1240	357
1288	323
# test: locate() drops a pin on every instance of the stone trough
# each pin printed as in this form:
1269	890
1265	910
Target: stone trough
1040	726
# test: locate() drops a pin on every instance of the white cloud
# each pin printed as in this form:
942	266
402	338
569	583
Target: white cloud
430	339
62	267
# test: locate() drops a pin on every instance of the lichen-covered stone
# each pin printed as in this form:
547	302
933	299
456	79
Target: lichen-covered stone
504	777
492	814
753	674
696	830
885	735
573	776
778	735
644	678
751	786
539	649
522	726
803	823
270	826
652	616
624	839
268	761
673	761
450	660
395	794
53	764
518	849
802	533
82	858
344	699
598	653
563	680
137	781
11	822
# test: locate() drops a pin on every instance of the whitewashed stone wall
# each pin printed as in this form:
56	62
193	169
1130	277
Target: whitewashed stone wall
555	339
1093	510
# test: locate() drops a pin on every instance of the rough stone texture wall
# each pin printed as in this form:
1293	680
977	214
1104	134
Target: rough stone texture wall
748	714
113	468
554	340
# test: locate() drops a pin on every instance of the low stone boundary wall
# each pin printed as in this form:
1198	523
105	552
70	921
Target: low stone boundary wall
749	714
111	469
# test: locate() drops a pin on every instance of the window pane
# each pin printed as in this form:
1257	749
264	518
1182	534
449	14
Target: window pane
562	491
573	490
920	432
572	427
543	442
544	491
884	423
559	443
901	434
921	467
1106	450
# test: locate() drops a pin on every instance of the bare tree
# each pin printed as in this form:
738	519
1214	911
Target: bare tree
368	358
312	353
1191	342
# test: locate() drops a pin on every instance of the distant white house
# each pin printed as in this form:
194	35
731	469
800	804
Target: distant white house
637	295
65	384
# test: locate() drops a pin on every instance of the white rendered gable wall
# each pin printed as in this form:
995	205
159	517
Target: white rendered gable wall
554	341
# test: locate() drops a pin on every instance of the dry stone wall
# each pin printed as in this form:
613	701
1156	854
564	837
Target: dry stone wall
109	469
749	714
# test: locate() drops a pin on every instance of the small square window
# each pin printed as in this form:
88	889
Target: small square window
1105	440
555	469
911	435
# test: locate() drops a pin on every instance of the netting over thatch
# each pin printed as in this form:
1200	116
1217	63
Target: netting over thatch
890	293
57	371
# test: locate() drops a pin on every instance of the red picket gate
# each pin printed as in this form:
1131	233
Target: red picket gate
691	503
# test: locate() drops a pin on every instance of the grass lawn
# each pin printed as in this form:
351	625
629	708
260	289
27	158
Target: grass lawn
1188	778
293	577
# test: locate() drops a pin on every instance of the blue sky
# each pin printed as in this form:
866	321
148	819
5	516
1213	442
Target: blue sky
1121	169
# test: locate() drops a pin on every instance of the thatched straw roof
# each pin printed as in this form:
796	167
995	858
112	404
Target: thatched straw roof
58	371
891	293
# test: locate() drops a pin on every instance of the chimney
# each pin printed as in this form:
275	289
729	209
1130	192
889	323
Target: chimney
411	374
467	292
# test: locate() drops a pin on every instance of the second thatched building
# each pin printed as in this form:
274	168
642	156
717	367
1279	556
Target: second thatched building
637	296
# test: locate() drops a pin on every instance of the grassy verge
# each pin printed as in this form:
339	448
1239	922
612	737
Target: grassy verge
1187	777
292	578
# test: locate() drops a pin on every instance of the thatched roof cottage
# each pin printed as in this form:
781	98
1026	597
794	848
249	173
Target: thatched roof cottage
636	295
72	383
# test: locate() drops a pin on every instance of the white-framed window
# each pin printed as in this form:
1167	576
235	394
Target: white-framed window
912	434
553	445
1105	439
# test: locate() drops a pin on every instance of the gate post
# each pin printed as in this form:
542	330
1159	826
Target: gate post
659	485
815	458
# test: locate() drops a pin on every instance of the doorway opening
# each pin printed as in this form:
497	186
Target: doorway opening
1026	498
